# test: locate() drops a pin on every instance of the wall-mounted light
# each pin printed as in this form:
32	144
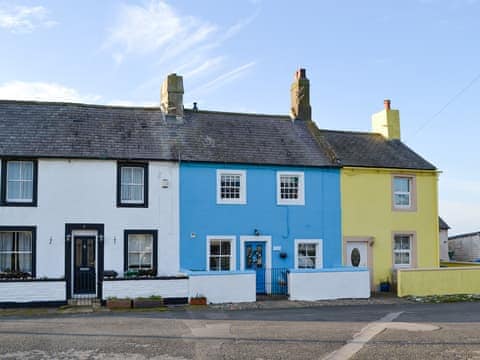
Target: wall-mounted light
114	240
193	235
50	240
256	232
164	183
68	238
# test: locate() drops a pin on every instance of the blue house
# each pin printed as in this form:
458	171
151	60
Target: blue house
260	193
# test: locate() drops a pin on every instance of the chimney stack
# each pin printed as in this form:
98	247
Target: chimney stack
300	95
171	101
387	122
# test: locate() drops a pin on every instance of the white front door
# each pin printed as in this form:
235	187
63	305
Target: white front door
357	254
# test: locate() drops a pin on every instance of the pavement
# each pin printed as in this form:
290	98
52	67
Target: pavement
384	329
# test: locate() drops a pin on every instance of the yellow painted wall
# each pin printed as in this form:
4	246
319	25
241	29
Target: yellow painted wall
443	281
367	212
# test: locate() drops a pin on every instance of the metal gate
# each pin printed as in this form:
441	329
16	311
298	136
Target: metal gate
276	281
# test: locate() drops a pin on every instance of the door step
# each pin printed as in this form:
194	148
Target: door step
93	302
261	297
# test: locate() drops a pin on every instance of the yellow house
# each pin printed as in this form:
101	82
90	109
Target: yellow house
389	199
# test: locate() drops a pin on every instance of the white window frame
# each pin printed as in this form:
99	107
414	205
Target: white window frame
409	193
243	186
142	201
21	180
318	251
409	251
233	249
301	188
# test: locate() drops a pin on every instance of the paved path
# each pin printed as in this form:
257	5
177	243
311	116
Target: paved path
388	331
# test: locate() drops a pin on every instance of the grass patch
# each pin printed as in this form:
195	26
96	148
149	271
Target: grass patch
437	299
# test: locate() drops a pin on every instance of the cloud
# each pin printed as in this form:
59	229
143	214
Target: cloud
24	19
146	29
181	43
226	77
43	91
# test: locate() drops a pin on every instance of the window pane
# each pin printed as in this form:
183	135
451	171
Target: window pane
230	186
402	199
27	170
6	241
225	263
401	184
137	175
5	262
214	263
14	190
25	262
225	247
289	187
133	260
14	170
126	175
24	241
146	260
215	248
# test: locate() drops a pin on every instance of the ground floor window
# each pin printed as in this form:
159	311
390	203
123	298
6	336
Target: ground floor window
402	250
308	254
220	254
140	250
17	254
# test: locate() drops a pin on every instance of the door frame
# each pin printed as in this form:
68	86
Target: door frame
72	230
368	241
268	255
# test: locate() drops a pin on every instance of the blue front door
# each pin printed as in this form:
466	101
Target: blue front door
255	260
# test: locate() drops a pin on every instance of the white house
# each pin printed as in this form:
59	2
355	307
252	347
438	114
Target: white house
443	238
465	247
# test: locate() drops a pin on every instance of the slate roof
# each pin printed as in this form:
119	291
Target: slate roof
442	224
45	129
68	130
373	150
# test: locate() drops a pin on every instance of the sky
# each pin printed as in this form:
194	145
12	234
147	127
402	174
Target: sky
241	55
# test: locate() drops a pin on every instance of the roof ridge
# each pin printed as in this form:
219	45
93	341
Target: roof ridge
352	132
42	102
286	117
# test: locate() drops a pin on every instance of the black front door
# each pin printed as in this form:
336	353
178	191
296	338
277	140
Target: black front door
84	265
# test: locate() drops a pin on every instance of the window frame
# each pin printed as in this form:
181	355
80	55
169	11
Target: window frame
33	230
412	251
412	194
233	248
154	234
243	187
301	188
145	167
4	183
318	252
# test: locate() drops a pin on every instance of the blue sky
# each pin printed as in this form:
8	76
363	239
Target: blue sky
241	56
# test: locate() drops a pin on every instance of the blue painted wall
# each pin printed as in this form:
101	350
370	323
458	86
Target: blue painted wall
319	218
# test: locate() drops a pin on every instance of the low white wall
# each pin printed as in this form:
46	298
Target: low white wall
328	284
168	288
223	287
32	291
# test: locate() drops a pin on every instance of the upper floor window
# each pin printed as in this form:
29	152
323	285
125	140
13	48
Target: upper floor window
231	187
290	188
132	185
403	192
19	183
17	250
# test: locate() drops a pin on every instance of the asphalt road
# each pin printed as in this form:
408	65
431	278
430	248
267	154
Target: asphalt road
295	333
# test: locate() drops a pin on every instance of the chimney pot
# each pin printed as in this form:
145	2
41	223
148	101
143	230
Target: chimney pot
195	107
387	103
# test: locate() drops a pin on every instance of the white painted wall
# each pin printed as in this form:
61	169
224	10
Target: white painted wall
443	245
145	288
466	248
224	288
84	191
324	285
29	291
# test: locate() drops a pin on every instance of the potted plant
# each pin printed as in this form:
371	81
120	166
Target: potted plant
385	285
114	303
148	302
198	300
